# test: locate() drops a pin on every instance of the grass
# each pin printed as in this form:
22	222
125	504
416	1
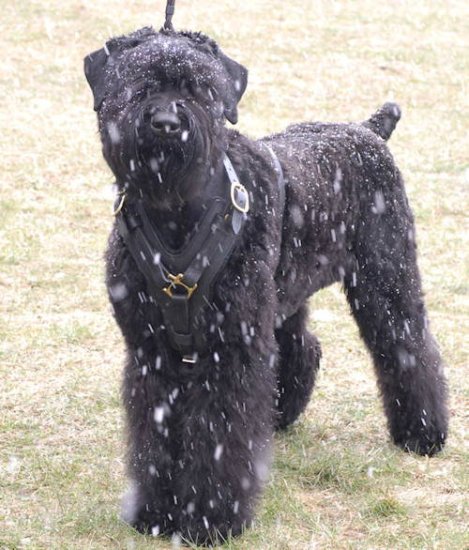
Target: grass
337	482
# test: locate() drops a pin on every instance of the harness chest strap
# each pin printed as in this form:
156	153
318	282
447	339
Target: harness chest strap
181	281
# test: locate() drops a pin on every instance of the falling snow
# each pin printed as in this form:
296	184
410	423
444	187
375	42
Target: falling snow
379	206
218	452
337	181
118	292
114	134
158	414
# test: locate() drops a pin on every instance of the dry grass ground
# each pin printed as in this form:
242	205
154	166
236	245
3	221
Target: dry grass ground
337	482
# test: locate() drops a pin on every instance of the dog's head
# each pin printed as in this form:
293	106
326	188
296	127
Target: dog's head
162	99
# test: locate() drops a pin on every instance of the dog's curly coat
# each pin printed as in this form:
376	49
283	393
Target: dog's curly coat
200	438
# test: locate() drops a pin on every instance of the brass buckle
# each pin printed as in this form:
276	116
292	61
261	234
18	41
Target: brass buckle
176	280
236	186
121	204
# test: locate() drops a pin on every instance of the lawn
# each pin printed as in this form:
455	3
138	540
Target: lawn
337	481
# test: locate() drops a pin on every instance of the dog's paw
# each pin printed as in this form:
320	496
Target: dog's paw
422	432
148	523
213	536
426	442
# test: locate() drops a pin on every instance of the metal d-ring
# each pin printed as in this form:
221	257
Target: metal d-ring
238	187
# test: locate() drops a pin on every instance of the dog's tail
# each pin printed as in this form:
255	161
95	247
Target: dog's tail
384	120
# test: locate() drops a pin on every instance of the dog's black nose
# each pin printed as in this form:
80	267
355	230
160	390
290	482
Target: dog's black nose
165	122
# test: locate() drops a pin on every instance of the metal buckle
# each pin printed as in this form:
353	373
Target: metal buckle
176	280
235	188
121	203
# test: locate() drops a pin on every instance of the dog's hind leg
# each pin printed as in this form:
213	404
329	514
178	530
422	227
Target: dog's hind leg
299	355
385	295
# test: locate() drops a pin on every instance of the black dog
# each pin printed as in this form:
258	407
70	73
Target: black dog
218	244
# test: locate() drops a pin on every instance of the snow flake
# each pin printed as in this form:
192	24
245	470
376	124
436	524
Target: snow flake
118	292
176	540
337	181
154	166
113	131
245	483
297	216
218	452
379	206
13	465
158	414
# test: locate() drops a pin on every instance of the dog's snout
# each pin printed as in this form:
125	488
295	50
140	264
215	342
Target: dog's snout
165	122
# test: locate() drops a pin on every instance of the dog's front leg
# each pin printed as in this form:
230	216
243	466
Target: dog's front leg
223	417
149	505
223	425
199	441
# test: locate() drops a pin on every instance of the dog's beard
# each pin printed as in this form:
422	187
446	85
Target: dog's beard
166	169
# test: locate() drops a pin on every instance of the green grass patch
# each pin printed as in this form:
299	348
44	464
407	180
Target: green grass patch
386	507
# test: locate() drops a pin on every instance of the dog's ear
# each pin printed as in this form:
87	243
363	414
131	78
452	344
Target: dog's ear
95	63
94	72
239	81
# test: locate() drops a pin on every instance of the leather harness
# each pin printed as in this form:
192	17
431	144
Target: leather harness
181	281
